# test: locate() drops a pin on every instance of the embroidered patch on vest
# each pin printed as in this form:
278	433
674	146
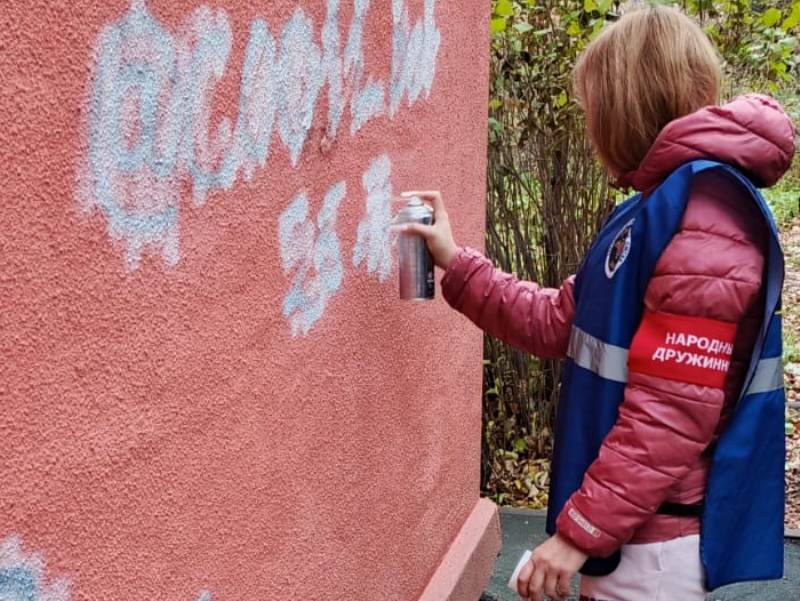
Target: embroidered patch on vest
694	350
619	250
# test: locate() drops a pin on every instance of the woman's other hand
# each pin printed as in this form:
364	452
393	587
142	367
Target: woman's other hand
550	569
439	236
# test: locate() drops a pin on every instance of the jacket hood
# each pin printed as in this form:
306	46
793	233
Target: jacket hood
751	132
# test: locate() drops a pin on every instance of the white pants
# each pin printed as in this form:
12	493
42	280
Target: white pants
668	571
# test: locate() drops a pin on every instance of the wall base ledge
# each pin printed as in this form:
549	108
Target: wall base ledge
467	566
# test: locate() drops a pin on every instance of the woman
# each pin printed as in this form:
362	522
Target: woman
670	393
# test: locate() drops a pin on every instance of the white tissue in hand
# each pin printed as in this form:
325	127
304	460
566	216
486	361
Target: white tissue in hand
512	582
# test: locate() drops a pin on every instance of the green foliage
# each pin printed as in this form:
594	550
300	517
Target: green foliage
539	41
758	43
784	200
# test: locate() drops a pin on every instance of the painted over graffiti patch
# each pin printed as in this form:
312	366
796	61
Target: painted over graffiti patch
694	350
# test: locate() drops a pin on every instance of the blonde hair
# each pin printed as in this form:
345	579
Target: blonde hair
652	66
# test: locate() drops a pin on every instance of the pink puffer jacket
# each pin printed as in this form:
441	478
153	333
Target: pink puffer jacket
711	269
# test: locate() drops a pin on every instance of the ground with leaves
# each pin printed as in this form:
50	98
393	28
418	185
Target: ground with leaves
791	324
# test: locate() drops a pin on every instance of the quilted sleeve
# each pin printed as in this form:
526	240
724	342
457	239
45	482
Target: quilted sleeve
535	319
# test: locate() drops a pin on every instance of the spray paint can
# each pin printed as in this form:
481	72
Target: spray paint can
416	263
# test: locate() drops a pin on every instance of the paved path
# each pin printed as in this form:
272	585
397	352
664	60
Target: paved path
523	529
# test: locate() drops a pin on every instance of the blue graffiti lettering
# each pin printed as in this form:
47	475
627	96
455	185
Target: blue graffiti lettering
22	577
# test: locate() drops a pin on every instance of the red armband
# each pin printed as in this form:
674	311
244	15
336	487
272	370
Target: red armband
694	350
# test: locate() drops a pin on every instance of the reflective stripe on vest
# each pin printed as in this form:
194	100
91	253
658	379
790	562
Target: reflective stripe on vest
767	377
606	360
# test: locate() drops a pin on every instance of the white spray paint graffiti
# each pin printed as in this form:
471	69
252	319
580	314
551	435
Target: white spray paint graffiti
313	253
149	124
22	577
302	75
374	244
202	59
414	53
133	181
346	74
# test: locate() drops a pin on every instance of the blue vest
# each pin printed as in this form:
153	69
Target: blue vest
742	519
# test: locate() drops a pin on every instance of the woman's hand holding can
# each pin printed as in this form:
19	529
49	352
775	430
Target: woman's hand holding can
439	236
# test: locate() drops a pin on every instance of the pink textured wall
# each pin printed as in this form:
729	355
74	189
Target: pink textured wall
209	388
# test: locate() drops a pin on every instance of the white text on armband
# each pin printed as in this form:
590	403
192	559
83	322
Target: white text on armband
693	359
703	343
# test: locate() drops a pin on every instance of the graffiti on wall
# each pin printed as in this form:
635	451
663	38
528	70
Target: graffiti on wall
373	244
149	125
311	251
22	576
149	130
